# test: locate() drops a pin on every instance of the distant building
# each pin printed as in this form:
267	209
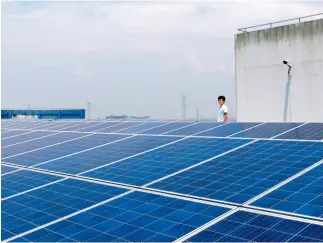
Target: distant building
44	114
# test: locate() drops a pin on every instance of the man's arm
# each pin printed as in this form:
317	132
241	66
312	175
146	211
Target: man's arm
225	117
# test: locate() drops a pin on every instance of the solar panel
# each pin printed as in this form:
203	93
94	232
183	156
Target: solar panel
24	137
252	227
24	180
228	129
6	135
267	130
303	195
39	143
156	164
41	206
167	128
59	150
119	127
196	128
242	174
80	126
136	217
310	131
99	126
7	169
209	189
142	127
104	155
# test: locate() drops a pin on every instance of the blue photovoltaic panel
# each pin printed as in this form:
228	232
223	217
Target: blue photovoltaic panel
251	227
39	143
28	211
6	169
246	172
6	135
120	126
142	127
53	152
267	130
99	126
167	128
164	161
78	127
310	131
228	129
27	125
24	137
104	155
136	217
196	128
23	180
302	195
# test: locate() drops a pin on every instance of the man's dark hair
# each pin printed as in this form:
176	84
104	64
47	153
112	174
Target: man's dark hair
221	98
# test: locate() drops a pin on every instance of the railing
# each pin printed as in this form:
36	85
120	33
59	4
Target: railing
270	25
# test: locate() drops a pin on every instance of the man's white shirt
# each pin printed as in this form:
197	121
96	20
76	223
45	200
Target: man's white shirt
223	109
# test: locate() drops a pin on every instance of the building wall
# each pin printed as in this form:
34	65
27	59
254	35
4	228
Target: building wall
46	114
261	77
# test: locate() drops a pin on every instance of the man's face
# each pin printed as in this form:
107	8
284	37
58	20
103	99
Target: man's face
220	101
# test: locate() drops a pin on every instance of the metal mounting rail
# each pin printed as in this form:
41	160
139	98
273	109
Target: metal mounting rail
270	25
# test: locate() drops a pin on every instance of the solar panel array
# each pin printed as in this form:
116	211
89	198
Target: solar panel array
161	181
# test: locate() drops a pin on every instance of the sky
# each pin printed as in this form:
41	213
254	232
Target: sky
129	57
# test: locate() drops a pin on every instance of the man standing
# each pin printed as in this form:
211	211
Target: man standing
223	110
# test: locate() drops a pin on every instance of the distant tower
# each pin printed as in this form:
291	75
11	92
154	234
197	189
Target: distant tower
88	109
184	106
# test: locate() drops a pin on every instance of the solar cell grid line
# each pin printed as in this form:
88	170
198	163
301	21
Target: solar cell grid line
100	126
118	127
54	152
229	129
24	138
39	125
101	157
142	127
310	131
28	125
22	181
245	173
195	128
89	125
162	162
15	124
40	144
266	130
11	133
53	124
244	226
35	209
303	195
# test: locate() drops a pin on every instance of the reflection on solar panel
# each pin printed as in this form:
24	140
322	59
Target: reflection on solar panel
149	187
310	131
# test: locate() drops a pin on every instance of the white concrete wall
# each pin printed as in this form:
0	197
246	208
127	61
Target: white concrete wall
261	77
